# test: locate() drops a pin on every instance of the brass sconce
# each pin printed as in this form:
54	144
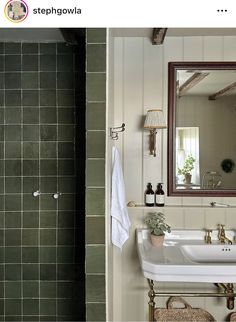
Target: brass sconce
154	120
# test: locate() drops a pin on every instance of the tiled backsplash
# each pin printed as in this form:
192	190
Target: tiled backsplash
41	272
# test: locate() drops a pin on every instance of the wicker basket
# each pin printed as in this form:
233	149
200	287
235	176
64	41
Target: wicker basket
185	314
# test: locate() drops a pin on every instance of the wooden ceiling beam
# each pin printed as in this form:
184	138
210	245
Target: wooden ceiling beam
158	36
223	92
191	82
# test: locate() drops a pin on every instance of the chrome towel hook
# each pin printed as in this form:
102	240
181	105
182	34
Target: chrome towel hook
115	130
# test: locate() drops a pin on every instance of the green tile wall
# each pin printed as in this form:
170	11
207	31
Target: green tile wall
41	238
95	174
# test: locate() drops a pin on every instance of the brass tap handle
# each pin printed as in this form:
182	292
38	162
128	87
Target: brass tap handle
208	236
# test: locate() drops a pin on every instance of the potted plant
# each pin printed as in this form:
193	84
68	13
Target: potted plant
157	225
187	168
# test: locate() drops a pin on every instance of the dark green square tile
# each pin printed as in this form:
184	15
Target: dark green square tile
96	58
95	259
48	115
48	80
29	48
12	202
48	318
66	184
13	184
1	237
47	97
65	97
31	219
66	219
30	133
30	255
65	62
30	289
2	102
48	132
66	115
12	97
48	150
30	167
66	236
12	80
30	97
65	80
66	150
29	80
48	167
12	48
2	277
47	254
65	272
95	144
30	236
66	202
30	150
31	306
48	307
1	185
30	202
96	116
12	237
47	63
13	115
13	289
96	35
95	172
65	255
1	204
30	115
13	219
95	288
48	184
95	230
63	48
47	202
12	255
2	47
13	150
47	237
30	271
2	219
30	184
48	289
30	318
13	63
65	307
48	219
12	307
96	312
2	80
65	289
96	86
2	116
13	272
12	168
2	260
66	167
2	133
66	133
12	132
95	201
30	63
48	48
47	272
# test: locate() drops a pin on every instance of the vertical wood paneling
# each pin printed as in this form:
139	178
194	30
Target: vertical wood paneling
229	48
193	48
213	48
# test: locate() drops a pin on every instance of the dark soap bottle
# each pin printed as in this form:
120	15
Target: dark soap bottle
160	196
149	196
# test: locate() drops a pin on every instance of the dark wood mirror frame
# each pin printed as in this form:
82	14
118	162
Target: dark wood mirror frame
172	72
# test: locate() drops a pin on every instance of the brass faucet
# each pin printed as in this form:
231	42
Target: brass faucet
222	237
208	236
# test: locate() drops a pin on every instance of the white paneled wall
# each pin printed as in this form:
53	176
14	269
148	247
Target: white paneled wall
140	83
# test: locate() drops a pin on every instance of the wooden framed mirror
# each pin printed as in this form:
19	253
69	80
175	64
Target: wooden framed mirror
202	129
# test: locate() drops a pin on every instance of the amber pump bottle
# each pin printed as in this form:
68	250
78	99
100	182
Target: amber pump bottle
159	196
149	196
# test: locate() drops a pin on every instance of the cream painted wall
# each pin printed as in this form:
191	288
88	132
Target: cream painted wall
140	83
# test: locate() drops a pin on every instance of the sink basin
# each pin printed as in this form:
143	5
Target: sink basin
184	257
210	253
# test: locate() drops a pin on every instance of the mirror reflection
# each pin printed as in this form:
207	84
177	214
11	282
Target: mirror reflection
202	140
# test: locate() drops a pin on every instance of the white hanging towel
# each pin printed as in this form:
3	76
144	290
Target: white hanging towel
120	218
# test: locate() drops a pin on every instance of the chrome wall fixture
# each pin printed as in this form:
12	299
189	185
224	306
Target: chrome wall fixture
37	193
115	130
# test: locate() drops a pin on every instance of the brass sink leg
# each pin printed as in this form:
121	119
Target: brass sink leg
151	302
230	299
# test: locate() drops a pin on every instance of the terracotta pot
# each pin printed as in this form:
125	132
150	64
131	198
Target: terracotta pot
157	240
187	178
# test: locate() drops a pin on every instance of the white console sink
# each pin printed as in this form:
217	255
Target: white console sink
186	257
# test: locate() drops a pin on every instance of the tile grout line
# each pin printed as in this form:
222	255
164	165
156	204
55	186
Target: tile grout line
22	195
4	202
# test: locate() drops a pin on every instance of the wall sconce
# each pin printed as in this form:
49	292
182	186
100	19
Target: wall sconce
154	120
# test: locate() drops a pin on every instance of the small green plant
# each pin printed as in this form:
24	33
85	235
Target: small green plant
188	165
156	223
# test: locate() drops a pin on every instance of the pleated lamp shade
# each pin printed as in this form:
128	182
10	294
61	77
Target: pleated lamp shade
155	120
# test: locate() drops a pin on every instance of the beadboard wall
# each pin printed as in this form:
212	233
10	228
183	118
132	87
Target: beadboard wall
140	83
